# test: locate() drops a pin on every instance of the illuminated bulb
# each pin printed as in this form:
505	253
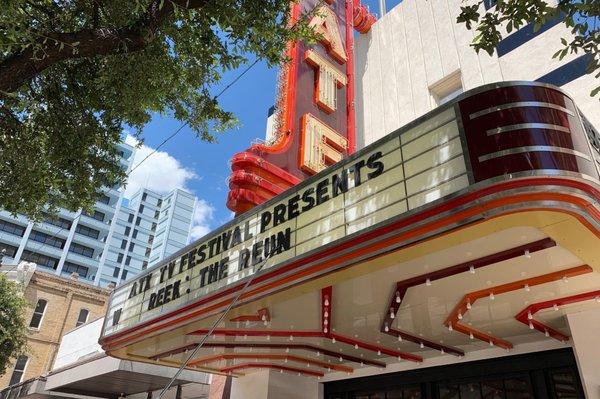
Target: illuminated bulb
325	330
442	351
333	340
529	315
378	353
555	307
469	304
298	374
329	369
546	333
263	317
291	337
421	345
399	338
399	358
287	350
245	336
355	346
450	328
268	337
598	299
565	279
492	297
247	323
326	301
398	297
325	321
460	316
265	322
530	325
341	359
428	282
387	328
318	377
527	287
527	254
392	314
307	364
472	269
285	360
471	335
491	343
318	353
326	314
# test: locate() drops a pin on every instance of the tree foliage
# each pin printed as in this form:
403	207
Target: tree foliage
581	16
13	338
74	73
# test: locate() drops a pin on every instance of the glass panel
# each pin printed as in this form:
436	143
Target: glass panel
517	388
470	391
492	389
449	392
564	385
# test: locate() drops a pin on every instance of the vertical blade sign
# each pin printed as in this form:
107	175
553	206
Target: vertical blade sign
314	110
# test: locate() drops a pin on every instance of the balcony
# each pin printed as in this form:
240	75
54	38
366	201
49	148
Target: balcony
91	263
105	208
103	226
95	243
44	249
51	229
10	239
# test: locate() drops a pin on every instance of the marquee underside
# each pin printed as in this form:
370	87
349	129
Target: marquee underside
517	263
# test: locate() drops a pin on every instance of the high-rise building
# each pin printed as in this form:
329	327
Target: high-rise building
117	240
147	229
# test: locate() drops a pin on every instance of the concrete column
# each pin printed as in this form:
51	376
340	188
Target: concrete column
270	384
585	328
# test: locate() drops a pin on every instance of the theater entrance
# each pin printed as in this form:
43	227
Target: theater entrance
549	374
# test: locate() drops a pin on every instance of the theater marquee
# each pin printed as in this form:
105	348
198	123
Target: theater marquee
361	191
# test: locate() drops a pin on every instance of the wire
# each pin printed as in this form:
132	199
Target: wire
213	327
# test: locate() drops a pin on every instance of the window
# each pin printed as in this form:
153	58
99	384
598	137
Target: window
69	267
81	250
9	250
153	226
12	228
489	3
159	202
141	209
87	231
150	239
134	234
123	244
105	199
138	220
130	219
39	259
156	214
57	221
145	265
82	318
148	252
116	272
127	261
124	275
447	88
131	246
119	258
127	230
144	196
96	215
38	313
19	370
46	239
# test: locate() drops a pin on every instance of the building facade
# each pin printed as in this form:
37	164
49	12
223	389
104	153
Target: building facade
117	240
454	254
57	306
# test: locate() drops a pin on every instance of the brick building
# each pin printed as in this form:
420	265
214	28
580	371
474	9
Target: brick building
57	305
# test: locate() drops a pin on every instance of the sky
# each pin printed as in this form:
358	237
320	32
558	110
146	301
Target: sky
202	168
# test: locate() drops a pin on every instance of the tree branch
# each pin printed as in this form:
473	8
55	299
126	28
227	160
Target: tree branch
24	66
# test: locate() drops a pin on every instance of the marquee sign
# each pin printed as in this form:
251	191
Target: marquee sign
314	111
382	181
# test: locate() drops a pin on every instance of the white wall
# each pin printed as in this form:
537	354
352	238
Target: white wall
79	343
418	43
585	330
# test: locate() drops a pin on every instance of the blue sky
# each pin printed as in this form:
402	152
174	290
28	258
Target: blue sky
203	168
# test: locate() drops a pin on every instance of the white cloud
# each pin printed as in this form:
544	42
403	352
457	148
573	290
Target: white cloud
203	215
160	173
163	173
